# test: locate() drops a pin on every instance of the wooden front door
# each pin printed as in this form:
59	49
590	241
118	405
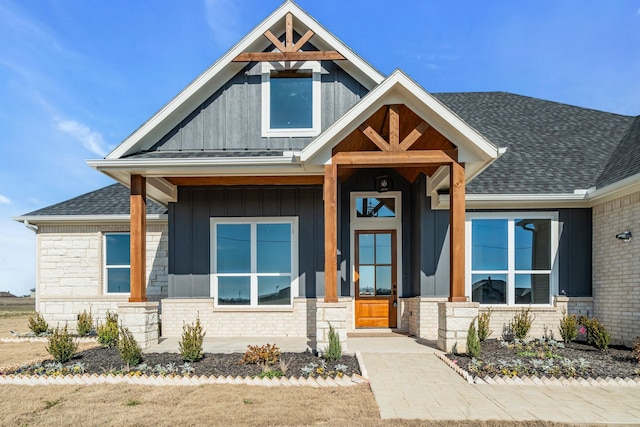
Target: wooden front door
376	282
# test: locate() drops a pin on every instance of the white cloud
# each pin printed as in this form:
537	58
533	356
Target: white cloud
223	19
4	199
90	140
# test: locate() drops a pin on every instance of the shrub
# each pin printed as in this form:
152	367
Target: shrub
473	343
61	345
636	350
597	334
333	352
483	324
37	324
521	323
568	327
108	331
267	354
191	343
85	323
128	347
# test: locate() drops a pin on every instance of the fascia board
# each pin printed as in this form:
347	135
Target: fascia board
223	69
85	219
613	191
516	201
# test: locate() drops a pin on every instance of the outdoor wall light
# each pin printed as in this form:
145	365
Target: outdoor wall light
625	236
383	183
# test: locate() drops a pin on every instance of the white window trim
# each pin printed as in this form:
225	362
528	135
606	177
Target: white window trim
315	68
253	222
105	267
511	271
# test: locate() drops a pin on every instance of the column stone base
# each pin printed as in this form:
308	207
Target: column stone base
454	319
334	314
141	318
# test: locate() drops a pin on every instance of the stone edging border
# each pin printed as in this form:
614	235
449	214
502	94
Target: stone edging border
86	379
79	340
544	381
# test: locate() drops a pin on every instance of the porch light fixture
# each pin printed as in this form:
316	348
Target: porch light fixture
625	236
383	183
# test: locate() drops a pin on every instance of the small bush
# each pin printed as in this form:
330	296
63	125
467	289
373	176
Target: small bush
37	324
521	323
267	354
568	327
85	323
108	331
636	350
334	351
128	347
597	334
191	343
483	324
61	345
473	343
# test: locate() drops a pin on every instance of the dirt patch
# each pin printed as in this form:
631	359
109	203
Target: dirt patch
13	321
571	360
215	405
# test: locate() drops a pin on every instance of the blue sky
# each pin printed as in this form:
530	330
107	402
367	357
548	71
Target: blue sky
77	77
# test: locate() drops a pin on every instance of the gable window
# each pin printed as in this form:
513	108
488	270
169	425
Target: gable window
117	265
290	100
511	257
254	261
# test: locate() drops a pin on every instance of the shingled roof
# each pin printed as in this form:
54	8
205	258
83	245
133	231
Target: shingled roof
111	200
551	147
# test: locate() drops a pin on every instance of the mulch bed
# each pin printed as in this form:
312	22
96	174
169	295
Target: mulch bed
107	360
617	361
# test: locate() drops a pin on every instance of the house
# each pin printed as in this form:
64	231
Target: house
292	186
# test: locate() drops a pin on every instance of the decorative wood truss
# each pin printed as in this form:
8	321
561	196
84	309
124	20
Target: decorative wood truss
289	51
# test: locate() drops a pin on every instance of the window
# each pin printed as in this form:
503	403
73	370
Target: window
117	268
290	100
254	261
511	257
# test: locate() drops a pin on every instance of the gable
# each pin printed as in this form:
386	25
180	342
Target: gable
224	70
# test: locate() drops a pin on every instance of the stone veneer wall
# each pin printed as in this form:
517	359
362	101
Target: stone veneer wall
616	267
420	315
297	321
70	270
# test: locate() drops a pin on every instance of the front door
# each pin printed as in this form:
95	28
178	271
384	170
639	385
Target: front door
376	283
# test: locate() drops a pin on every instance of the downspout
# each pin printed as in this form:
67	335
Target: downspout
30	226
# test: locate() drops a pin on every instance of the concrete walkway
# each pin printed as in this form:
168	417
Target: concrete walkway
409	381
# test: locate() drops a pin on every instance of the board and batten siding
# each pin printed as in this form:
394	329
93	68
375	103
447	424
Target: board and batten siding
189	231
231	118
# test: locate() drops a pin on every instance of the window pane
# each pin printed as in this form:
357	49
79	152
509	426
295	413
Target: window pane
383	280
291	102
118	280
383	248
373	207
366	244
367	281
233	248
274	290
274	248
234	290
118	249
532	289
533	244
489	289
489	244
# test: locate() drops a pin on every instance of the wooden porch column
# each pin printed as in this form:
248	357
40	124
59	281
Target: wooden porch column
330	233
457	233
138	234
